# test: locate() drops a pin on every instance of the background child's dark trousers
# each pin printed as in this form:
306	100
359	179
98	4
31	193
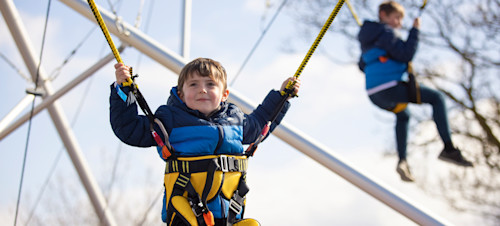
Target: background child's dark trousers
387	99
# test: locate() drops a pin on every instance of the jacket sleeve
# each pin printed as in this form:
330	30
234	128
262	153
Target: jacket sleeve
128	126
396	48
255	121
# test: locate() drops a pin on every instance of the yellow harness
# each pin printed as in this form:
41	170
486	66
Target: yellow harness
191	182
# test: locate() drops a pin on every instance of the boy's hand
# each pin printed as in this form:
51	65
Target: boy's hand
416	23
296	86
122	73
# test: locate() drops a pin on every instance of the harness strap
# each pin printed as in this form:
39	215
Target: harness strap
136	96
413	86
198	204
223	163
236	204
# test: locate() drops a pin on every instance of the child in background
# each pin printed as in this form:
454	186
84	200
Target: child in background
201	125
384	60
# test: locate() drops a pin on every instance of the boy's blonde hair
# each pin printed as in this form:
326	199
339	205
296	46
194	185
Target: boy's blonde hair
205	67
389	7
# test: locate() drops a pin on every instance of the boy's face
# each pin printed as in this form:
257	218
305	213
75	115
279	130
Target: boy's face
393	19
203	93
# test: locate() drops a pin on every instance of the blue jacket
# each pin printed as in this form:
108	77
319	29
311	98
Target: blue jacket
378	39
191	132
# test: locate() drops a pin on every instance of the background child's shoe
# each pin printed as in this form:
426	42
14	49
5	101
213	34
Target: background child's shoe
453	155
404	171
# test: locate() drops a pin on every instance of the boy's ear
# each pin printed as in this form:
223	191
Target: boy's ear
180	95
225	95
382	16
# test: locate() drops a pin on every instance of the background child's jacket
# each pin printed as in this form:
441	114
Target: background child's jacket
380	40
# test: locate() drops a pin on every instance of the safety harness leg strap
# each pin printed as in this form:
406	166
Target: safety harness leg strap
413	86
236	204
198	204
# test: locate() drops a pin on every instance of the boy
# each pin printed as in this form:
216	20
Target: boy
204	132
384	60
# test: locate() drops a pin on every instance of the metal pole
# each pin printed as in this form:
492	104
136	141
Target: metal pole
16	111
186	28
4	130
20	37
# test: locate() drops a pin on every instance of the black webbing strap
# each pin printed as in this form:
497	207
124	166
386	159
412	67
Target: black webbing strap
197	203
223	163
413	86
236	204
183	183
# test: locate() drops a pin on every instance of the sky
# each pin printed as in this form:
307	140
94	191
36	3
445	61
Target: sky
287	187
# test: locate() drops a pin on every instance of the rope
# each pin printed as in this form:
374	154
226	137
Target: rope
104	29
146	29
288	89
57	71
258	41
135	92
288	92
59	154
422	7
31	115
138	18
111	6
353	13
13	66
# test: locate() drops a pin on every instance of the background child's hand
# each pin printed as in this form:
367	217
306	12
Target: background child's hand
295	87
416	23
122	73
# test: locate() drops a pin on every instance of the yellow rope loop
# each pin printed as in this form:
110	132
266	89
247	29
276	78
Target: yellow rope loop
315	44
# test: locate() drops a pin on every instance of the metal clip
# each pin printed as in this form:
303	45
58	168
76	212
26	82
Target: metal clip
234	206
224	165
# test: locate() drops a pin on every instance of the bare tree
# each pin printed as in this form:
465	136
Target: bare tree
63	201
459	54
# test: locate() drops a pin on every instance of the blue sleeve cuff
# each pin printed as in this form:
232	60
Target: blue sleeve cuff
120	92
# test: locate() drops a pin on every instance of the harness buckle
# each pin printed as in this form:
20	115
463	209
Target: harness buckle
224	164
197	208
235	206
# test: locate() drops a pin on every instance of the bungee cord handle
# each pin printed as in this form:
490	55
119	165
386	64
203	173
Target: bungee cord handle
289	87
166	147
